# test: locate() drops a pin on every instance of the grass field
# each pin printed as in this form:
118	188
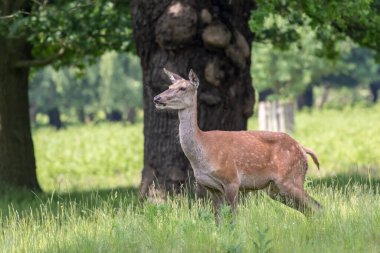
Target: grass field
90	174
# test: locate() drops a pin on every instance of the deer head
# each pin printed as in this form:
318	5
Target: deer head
180	95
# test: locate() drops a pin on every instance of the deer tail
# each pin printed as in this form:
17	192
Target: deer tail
313	155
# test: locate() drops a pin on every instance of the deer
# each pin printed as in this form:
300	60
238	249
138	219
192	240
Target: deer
226	162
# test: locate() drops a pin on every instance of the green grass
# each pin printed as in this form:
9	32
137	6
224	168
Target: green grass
89	157
79	212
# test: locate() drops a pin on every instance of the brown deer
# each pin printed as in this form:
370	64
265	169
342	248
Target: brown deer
228	161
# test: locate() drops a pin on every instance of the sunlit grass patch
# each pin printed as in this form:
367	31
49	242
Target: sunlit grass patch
89	157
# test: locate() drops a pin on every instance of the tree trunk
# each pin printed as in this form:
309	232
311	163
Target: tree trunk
214	40
81	115
55	118
131	115
374	87
306	98
324	97
17	162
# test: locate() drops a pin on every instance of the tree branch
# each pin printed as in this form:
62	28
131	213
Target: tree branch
39	62
14	15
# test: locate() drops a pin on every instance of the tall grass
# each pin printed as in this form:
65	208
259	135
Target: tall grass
78	166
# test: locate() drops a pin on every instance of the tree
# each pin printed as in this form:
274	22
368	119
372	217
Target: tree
284	25
33	34
290	73
332	21
110	84
48	97
210	37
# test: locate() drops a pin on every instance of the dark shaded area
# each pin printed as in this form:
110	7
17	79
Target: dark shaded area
343	181
22	199
114	116
306	99
338	80
374	88
55	118
263	95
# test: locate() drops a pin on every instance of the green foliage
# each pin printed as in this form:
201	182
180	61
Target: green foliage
114	82
82	30
121	82
289	72
362	66
278	21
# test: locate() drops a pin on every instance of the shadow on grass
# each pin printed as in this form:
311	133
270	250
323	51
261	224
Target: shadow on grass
344	180
21	199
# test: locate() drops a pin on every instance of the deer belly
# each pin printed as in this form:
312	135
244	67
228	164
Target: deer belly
208	181
253	182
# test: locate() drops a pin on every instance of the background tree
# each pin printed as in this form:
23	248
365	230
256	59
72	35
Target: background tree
333	26
32	34
332	21
112	83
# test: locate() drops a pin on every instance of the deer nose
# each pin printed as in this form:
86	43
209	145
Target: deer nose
156	99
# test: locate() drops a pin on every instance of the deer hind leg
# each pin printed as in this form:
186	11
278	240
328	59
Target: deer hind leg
294	196
217	202
229	195
231	192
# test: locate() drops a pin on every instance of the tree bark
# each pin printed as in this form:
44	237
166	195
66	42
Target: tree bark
17	162
213	39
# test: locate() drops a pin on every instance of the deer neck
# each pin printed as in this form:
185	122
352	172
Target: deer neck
189	131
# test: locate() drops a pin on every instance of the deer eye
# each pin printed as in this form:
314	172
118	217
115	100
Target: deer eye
182	88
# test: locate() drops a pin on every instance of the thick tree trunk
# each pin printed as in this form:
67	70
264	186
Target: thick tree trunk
17	162
211	37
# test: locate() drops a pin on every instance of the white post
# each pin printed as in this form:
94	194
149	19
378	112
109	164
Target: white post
276	116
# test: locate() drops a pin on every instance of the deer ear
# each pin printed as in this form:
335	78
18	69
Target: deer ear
173	77
193	78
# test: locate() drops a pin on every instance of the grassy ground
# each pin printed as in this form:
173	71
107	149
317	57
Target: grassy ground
74	217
